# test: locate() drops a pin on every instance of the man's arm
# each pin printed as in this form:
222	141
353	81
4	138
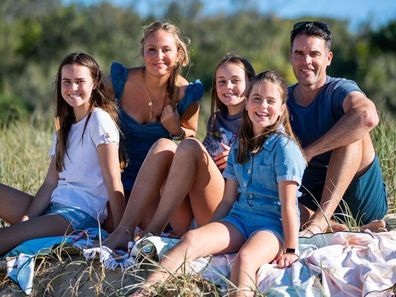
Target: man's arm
359	119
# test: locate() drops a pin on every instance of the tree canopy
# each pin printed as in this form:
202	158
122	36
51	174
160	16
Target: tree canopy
37	34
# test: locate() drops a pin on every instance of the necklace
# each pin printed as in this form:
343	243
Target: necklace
150	102
150	98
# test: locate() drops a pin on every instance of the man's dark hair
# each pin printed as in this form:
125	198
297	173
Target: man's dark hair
311	28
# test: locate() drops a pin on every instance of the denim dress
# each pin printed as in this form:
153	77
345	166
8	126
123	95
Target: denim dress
258	206
138	138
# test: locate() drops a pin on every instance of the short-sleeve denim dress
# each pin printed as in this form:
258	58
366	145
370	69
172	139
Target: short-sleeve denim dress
258	206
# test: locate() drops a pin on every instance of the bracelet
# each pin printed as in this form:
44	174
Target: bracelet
178	137
292	252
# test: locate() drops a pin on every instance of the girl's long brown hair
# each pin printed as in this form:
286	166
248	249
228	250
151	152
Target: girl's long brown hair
247	141
182	44
64	115
216	104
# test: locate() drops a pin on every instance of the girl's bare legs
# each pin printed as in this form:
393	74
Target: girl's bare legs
211	239
262	247
42	226
193	174
144	197
13	204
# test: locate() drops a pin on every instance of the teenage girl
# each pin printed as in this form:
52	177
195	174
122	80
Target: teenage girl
258	216
189	187
84	172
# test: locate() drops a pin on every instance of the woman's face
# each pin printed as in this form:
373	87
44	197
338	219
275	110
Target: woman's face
231	86
76	87
160	52
264	105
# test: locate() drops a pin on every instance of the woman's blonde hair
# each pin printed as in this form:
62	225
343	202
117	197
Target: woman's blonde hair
182	44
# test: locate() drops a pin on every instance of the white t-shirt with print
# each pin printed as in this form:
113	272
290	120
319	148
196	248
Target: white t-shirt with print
81	184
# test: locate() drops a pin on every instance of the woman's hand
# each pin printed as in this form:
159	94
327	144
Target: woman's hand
170	119
221	159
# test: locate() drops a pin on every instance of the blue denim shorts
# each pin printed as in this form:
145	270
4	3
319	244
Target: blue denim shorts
250	216
77	218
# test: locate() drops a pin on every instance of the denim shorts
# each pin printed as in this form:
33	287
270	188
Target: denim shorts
252	215
77	218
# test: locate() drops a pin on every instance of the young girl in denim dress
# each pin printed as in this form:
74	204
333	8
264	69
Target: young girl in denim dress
84	173
258	217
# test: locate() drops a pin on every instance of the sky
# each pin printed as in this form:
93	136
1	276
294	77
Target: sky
356	12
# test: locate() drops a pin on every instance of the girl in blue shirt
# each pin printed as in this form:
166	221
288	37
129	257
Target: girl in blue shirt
258	215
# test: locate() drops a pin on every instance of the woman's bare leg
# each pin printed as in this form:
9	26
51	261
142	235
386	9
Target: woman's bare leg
193	175
13	204
42	226
144	197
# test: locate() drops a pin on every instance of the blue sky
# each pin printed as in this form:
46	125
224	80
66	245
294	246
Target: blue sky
357	12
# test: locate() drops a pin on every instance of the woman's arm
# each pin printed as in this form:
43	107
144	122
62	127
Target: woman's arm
43	197
229	197
290	222
109	163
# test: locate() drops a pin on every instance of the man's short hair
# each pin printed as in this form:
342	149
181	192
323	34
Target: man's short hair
311	28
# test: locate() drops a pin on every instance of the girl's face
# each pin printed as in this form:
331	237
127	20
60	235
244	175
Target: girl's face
160	52
264	105
76	87
231	85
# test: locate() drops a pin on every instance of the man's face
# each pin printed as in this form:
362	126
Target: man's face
310	58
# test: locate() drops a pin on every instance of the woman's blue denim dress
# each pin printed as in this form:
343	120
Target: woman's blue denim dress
138	138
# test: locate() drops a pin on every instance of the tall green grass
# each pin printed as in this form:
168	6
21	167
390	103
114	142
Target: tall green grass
24	153
384	138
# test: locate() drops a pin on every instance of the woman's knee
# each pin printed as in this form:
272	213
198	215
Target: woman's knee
189	147
163	144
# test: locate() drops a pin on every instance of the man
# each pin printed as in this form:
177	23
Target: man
332	118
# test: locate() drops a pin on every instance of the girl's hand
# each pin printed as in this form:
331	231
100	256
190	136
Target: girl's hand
221	159
286	259
170	119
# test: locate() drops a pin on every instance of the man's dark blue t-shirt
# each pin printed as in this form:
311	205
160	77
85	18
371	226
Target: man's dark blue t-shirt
311	122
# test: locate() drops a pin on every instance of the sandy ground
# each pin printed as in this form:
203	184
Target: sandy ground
74	277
